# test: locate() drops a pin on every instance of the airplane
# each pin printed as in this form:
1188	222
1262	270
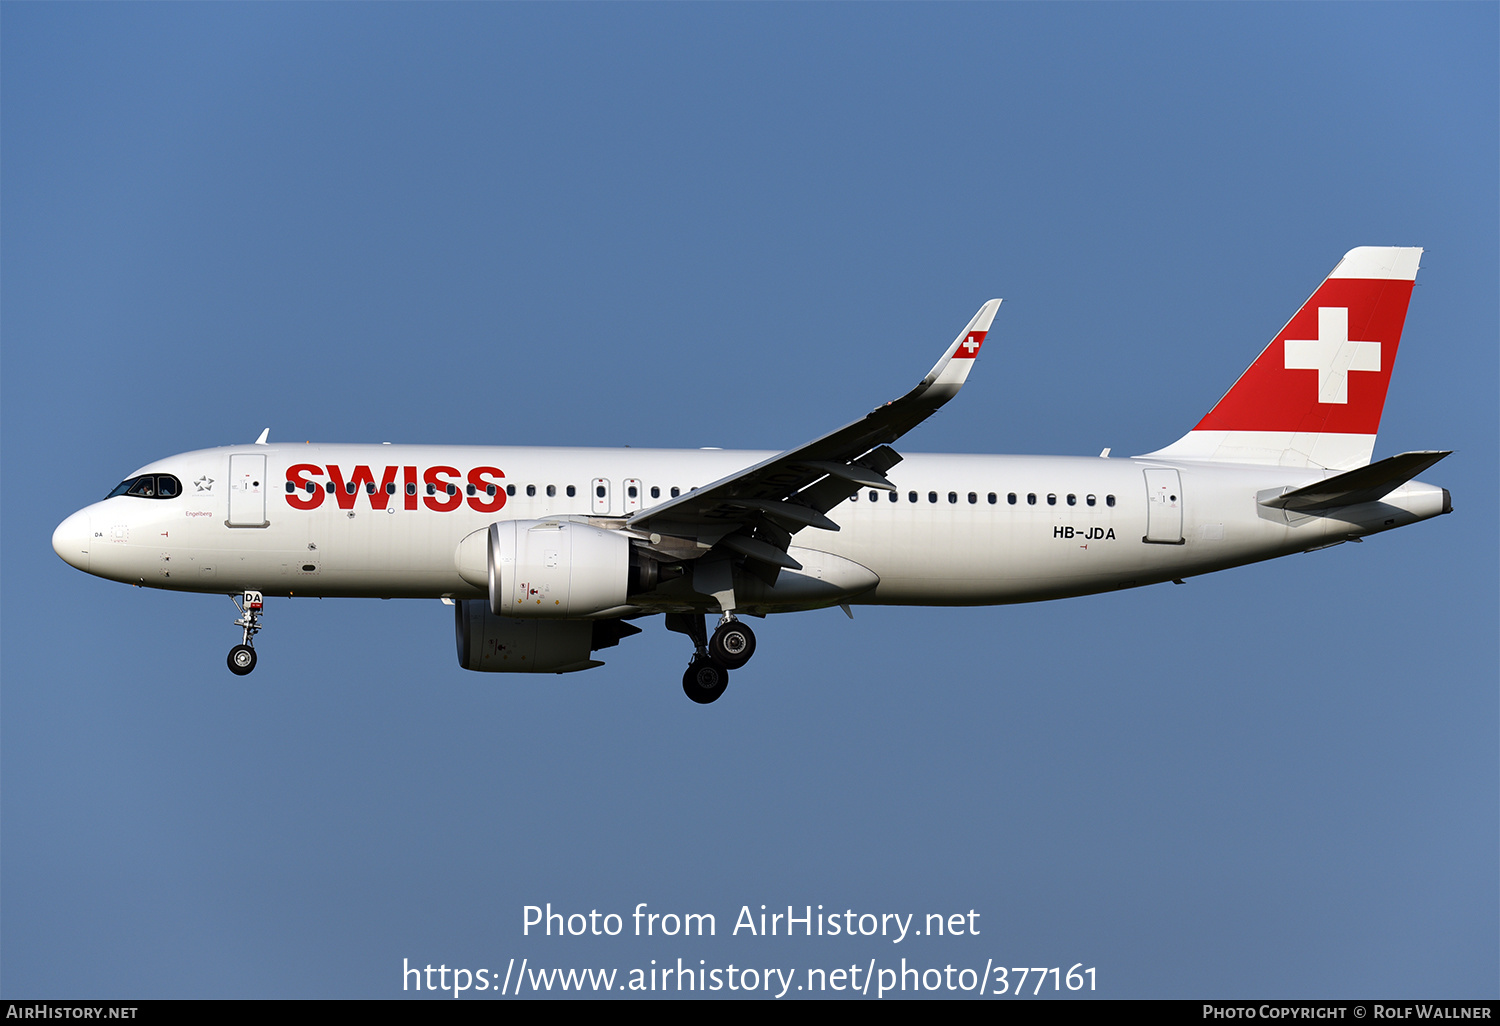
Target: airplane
548	554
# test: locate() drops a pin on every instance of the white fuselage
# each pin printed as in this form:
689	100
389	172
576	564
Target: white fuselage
1077	525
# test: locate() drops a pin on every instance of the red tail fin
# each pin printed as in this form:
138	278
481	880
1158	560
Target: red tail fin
1315	394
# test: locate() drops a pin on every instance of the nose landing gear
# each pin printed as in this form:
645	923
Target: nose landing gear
242	656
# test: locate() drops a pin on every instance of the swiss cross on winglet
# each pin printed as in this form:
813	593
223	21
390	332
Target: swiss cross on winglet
969	347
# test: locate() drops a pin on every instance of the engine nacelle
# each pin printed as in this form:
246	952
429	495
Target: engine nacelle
556	569
498	644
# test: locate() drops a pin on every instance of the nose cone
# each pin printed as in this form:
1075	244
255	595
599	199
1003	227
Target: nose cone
71	540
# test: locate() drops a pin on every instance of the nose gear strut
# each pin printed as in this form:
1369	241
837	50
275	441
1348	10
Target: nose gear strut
242	656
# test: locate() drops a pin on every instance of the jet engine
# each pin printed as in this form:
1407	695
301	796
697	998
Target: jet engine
556	569
499	644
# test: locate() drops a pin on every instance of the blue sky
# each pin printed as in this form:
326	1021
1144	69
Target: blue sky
741	225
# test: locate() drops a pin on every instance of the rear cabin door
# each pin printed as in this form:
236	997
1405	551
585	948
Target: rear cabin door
247	490
1163	507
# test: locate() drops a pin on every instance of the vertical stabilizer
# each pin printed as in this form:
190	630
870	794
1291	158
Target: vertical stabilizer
1314	396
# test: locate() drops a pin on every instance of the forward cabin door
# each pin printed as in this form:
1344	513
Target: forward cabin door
1163	507
247	491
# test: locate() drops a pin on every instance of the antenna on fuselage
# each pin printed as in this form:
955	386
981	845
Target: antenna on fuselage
263	436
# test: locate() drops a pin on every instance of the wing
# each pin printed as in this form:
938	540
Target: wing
755	512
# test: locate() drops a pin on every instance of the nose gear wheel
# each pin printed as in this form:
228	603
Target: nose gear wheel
242	656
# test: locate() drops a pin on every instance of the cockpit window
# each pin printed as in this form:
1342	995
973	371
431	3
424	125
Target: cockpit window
149	486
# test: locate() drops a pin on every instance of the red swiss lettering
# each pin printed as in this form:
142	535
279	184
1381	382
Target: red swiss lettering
361	479
482	479
444	501
297	476
444	483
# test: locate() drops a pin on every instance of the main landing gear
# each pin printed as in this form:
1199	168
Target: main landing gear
704	680
242	656
733	643
731	647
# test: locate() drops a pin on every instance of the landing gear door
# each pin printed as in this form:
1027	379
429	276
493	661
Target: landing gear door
1163	507
247	491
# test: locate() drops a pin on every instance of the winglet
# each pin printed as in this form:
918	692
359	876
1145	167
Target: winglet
951	371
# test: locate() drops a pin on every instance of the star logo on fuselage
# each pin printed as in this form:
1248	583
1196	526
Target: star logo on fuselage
205	483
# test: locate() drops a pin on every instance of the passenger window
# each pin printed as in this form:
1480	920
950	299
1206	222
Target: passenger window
1031	498
854	497
874	496
369	487
656	491
453	489
893	496
1011	498
509	490
932	496
312	488
993	498
390	489
349	488
552	491
571	491
530	491
973	498
912	496
411	488
598	491
1089	499
489	490
1072	499
330	487
676	491
432	489
1109	500
632	492
290	488
1051	499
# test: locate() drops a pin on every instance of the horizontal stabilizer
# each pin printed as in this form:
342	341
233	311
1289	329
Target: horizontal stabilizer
1367	484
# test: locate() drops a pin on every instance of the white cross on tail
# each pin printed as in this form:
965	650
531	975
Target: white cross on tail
1332	355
